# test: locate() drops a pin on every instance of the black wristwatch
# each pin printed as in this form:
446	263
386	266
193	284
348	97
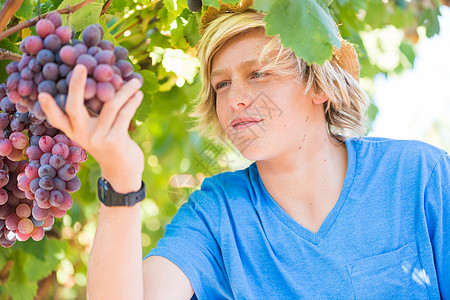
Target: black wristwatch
109	197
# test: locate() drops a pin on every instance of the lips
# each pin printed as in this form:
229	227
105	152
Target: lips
245	121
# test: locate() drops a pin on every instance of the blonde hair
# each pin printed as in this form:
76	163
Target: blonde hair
347	102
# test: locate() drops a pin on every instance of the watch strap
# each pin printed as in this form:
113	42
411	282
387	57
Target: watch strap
109	197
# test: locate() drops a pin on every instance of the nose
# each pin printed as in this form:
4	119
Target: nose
239	96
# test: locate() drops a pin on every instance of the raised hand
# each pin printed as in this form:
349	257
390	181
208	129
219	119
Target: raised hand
105	137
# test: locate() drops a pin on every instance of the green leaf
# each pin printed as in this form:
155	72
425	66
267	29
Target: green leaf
262	5
191	31
304	27
213	3
18	285
85	16
431	21
34	248
26	10
37	269
408	50
118	6
375	14
149	88
178	39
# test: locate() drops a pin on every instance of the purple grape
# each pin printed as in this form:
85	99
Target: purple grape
44	27
64	70
16	126
61	99
106	45
24	87
57	161
51	71
64	33
121	52
5	210
34	66
4	120
88	61
34	152
74	154
52	42
37	223
73	185
68	55
45	56
38	78
21	117
67	172
103	73
61	138
12	67
105	91
90	88
61	149
37	111
105	57
47	86
26	74
37	129
59	184
18	140
5	147
33	44
55	18
46	171
80	48
92	35
94	50
46	143
40	213
7	106
34	185
126	69
4	178
46	183
62	86
24	62
13	81
55	198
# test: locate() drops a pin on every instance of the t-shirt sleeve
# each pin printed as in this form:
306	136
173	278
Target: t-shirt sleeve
437	201
191	242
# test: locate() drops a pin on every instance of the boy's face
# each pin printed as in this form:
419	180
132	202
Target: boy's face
279	118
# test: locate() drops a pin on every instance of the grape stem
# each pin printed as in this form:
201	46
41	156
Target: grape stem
33	21
105	7
9	9
5	271
6	54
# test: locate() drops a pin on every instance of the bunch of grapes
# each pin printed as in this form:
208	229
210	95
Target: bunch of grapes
35	190
50	57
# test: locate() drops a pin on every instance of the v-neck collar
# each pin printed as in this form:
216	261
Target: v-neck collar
326	225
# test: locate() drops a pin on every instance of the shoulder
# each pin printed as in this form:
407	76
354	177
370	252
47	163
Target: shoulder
396	150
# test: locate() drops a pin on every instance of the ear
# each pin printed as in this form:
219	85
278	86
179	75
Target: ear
319	98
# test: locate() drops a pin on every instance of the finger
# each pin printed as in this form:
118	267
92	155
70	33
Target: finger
55	116
110	109
78	115
127	112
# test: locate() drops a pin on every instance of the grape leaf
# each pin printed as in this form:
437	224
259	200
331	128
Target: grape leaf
35	249
18	285
118	6
149	88
191	30
178	39
262	5
213	3
304	27
85	16
26	10
36	269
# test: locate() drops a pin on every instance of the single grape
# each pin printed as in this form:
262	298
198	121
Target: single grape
34	66
92	35
61	138
37	111
26	74
117	82
88	61
121	52
105	91
34	185
46	143
48	221
5	146
103	73
66	172
64	33
12	221
137	76
90	88
18	140
4	120
194	5
64	70
22	237
5	210
57	161
23	63
126	69
16	126
24	183
31	171
44	27
106	45
50	71
52	42
23	210
55	18
73	185
15	154
18	193
38	78
81	49
46	171
55	198
13	81
56	212
46	183
105	57
68	55
37	223
61	100
25	226
22	117
45	56
94	50
47	86
39	213
59	184
12	67
62	86
7	106
37	234
61	149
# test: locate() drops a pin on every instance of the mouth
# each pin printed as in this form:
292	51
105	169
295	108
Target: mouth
242	124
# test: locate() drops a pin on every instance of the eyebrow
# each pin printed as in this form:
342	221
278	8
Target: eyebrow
242	65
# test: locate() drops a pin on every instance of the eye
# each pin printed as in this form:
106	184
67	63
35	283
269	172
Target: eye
258	74
221	85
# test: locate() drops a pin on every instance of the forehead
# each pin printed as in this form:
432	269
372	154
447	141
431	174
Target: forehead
242	50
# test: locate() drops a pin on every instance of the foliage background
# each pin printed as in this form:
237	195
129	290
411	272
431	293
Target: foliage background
161	36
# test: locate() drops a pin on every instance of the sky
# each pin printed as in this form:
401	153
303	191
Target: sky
416	104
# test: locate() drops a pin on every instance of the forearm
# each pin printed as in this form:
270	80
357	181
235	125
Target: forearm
115	264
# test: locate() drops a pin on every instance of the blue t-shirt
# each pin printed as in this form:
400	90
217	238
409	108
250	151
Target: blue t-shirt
388	236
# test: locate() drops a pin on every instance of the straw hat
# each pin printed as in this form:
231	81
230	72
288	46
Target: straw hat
346	57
